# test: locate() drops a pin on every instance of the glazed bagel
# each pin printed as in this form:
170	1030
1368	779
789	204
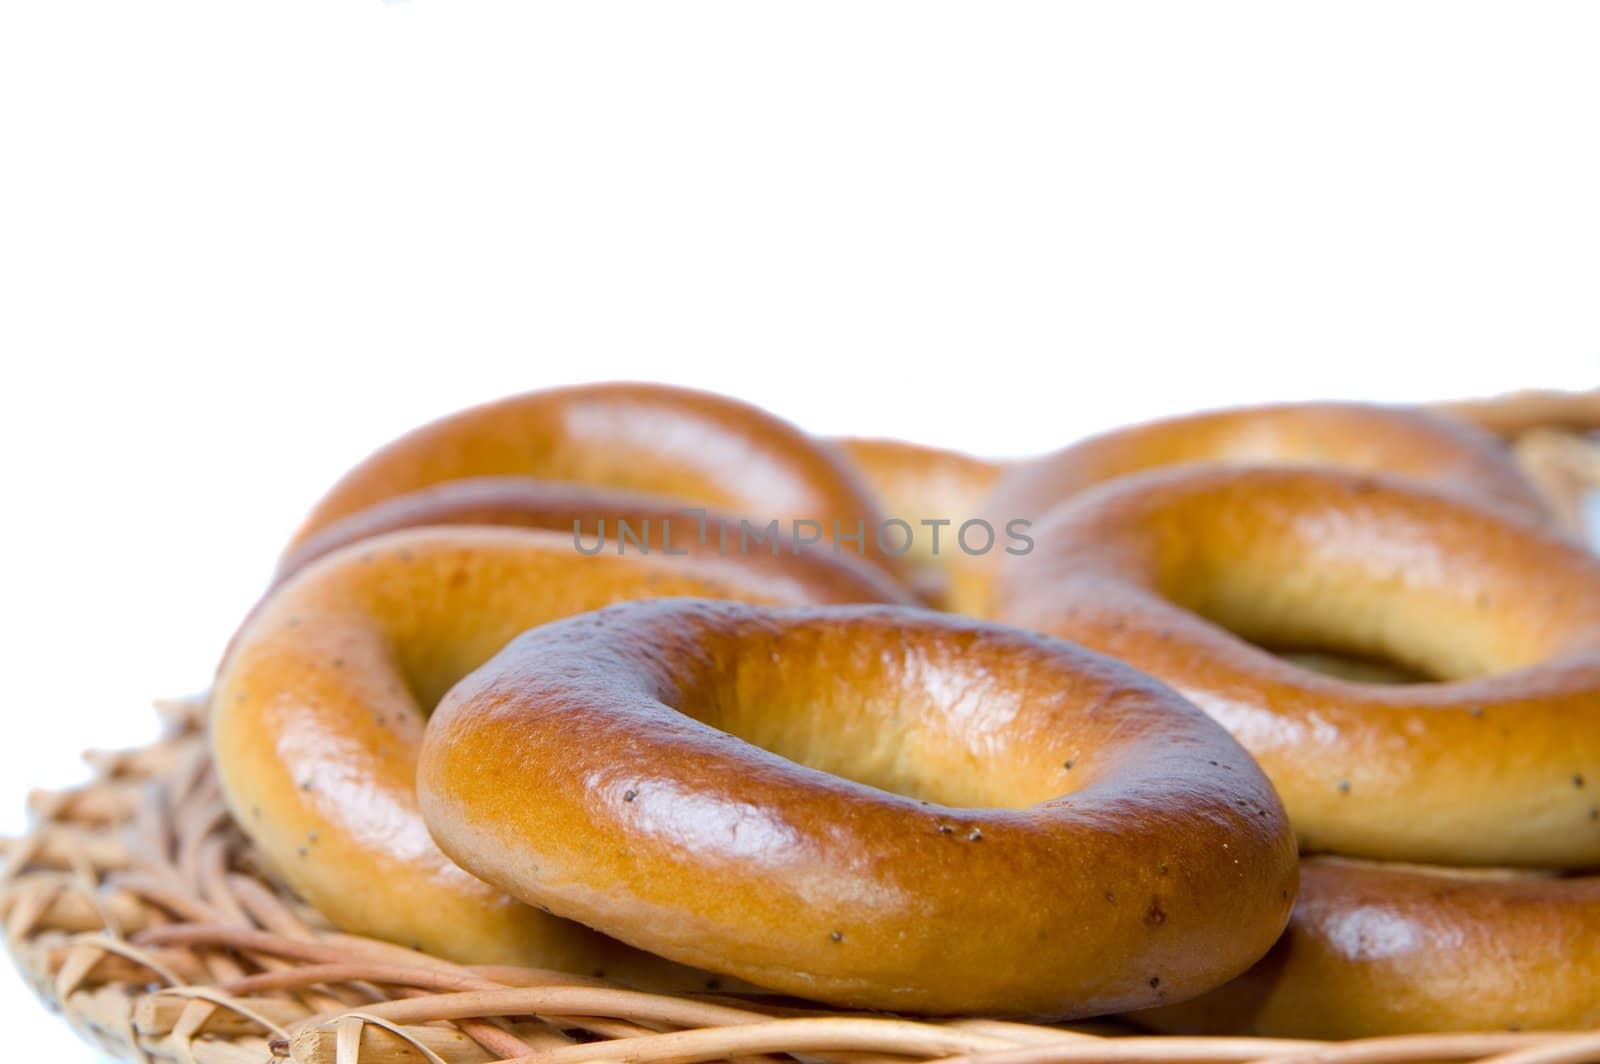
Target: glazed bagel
917	483
618	522
1389	949
686	446
869	806
1494	763
318	714
1399	441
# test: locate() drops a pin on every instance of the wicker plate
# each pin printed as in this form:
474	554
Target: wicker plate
137	909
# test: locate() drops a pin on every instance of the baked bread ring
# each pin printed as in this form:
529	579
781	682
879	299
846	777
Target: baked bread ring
1410	442
867	806
1494	764
612	521
1390	949
318	714
684	445
934	491
1401	441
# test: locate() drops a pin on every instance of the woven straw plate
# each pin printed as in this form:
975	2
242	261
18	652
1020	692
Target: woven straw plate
136	908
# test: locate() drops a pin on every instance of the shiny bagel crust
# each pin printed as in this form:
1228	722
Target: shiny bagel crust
916	483
687	446
319	708
611	521
1400	441
873	807
1379	949
1496	763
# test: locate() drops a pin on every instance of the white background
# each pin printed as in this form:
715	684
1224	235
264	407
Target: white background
241	244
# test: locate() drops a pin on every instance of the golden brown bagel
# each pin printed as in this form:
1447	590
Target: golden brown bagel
1389	949
1555	438
1496	764
1407	442
615	522
1401	441
868	806
683	445
914	481
933	490
318	713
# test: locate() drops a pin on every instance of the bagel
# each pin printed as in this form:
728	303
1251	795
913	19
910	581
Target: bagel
687	446
318	712
1493	763
873	807
618	522
1378	950
1410	442
934	491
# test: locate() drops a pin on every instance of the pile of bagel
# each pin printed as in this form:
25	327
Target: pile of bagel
1278	721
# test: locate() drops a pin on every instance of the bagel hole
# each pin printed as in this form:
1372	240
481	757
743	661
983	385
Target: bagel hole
919	724
1346	647
888	757
1352	627
1344	665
